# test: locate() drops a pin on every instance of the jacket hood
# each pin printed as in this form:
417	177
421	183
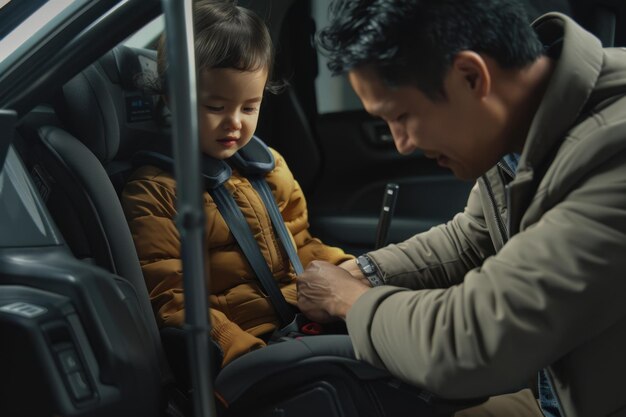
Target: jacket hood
573	80
585	78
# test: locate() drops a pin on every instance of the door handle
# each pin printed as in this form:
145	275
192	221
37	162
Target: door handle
378	134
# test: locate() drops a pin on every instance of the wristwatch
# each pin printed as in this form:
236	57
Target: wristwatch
369	269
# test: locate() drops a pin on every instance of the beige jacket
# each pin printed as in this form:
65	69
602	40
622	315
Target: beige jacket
538	282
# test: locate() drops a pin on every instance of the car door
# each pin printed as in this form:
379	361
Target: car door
73	341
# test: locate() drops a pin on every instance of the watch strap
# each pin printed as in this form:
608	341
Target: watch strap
369	270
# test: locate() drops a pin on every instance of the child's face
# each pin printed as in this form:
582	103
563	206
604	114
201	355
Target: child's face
229	102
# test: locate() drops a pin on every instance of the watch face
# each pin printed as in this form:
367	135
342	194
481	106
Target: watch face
365	265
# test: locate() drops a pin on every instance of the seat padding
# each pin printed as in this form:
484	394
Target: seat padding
241	375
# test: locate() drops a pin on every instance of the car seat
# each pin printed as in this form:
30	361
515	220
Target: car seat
73	165
76	158
75	339
74	176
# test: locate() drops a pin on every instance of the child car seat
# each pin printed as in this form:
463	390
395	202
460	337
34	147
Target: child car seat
322	369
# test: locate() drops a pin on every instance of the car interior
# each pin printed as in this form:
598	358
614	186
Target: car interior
78	332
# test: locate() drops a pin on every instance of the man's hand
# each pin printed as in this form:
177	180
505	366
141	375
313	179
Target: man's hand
326	291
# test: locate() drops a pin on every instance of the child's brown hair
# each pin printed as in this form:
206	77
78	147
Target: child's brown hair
226	36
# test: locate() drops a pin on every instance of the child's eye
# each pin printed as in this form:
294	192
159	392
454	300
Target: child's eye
249	109
214	108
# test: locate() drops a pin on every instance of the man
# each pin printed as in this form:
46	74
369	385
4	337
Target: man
528	281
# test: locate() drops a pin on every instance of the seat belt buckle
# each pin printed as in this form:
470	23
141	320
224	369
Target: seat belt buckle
312	328
299	326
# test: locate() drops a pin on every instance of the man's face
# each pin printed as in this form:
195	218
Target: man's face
460	131
229	102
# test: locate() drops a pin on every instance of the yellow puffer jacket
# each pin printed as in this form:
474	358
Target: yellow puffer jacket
240	311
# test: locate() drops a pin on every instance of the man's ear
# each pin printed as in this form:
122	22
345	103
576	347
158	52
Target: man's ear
473	70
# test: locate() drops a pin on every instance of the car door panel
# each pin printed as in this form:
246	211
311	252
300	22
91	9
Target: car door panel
357	163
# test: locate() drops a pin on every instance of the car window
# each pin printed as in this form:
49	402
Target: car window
21	210
12	12
24	22
147	36
334	94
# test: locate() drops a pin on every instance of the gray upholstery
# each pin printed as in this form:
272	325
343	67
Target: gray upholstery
82	198
254	368
93	114
109	106
107	211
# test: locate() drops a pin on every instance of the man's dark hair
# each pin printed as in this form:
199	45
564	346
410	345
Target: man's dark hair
413	42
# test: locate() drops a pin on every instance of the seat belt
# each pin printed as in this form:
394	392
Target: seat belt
240	229
292	323
300	325
216	173
261	186
253	167
254	161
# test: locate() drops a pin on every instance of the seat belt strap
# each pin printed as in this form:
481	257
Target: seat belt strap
240	229
214	178
300	325
261	186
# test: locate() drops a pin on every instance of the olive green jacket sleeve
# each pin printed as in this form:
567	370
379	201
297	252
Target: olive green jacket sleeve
547	291
441	256
553	296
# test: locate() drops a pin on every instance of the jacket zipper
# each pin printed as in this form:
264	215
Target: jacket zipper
498	219
505	168
507	193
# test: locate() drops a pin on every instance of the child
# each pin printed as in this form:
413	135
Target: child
234	57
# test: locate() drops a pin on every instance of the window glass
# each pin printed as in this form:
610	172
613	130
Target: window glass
147	36
30	22
334	94
23	219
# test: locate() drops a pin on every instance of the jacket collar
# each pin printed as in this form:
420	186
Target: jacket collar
572	82
253	159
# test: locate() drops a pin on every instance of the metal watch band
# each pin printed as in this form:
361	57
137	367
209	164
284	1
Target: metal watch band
368	268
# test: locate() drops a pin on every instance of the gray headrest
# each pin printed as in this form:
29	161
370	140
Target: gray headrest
107	106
